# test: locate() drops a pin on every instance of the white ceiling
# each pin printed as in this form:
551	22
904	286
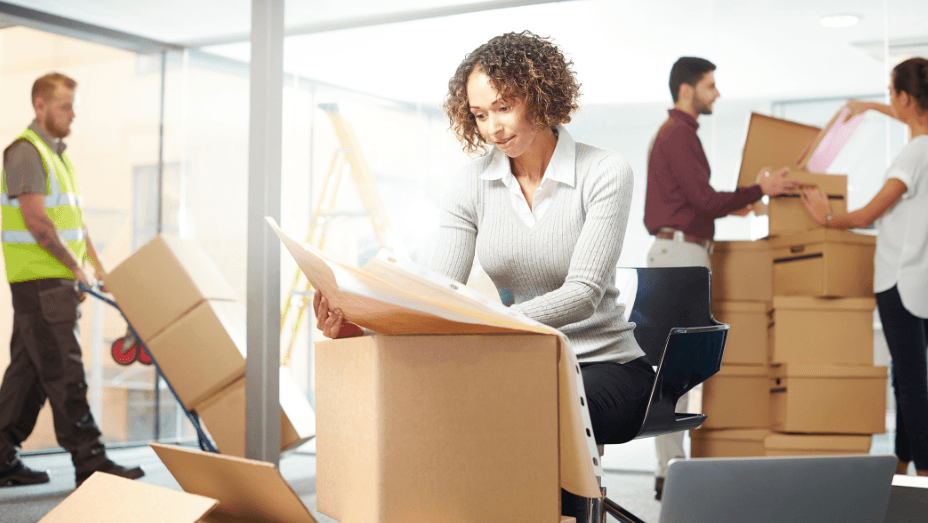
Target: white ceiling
622	49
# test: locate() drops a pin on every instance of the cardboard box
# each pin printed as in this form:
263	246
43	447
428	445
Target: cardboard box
822	331
829	399
727	443
203	351
773	143
738	396
788	215
742	271
161	281
438	428
749	336
778	444
224	416
824	262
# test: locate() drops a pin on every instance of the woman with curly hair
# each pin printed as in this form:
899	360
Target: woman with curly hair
546	216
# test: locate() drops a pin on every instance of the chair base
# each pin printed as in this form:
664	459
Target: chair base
598	508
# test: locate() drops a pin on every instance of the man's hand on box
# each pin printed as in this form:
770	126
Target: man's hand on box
776	183
332	322
816	202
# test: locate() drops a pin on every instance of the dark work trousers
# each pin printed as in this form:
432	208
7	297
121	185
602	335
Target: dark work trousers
45	363
907	340
617	394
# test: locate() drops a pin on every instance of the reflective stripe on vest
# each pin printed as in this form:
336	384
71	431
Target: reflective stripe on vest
24	258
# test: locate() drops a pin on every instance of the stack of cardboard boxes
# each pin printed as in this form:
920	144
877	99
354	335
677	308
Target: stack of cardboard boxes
189	317
798	376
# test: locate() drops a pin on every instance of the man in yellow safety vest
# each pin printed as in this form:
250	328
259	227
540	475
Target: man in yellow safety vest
45	245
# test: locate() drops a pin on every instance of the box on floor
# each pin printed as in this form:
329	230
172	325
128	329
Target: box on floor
828	399
807	330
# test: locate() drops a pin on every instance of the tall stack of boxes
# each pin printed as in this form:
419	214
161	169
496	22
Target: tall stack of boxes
189	318
797	377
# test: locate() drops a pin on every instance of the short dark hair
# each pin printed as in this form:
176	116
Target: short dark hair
911	76
44	87
521	65
688	70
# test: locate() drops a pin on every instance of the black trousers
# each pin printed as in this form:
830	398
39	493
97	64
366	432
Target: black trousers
617	394
45	363
907	339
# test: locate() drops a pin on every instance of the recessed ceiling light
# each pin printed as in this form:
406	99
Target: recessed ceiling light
839	20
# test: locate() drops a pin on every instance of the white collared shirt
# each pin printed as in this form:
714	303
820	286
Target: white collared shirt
561	170
902	241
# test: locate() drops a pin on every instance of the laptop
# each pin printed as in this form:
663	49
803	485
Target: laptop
805	489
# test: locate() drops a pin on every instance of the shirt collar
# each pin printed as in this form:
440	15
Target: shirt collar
684	116
561	168
54	144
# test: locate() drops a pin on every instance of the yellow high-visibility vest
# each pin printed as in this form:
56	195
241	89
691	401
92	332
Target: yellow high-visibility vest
24	258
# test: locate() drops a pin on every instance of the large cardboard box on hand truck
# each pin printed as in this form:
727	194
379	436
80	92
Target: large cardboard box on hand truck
459	410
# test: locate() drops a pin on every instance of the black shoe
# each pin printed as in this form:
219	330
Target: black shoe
20	474
111	468
658	488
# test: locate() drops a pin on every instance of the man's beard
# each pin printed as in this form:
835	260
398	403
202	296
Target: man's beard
701	108
56	130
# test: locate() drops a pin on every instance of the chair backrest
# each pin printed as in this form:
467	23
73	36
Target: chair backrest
675	328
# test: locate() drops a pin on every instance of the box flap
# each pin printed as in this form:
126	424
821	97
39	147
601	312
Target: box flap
823	304
245	488
774	143
834	185
831	442
794	370
823	235
105	498
830	140
747	371
730	434
762	307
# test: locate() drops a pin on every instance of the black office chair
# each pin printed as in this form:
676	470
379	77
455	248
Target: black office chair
676	330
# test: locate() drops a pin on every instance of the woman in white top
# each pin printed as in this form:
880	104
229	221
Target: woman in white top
901	263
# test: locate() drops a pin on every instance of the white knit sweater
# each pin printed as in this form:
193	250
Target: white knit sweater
561	271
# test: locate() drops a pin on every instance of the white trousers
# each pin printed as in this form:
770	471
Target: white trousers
676	253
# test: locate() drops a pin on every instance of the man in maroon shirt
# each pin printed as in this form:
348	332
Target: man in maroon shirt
680	205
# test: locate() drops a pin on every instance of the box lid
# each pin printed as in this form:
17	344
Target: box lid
823	304
793	370
742	306
832	442
774	143
757	245
730	371
822	235
105	498
756	435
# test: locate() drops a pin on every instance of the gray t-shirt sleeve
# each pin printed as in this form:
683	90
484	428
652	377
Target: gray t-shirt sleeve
25	172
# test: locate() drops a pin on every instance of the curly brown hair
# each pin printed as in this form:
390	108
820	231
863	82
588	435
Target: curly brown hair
522	65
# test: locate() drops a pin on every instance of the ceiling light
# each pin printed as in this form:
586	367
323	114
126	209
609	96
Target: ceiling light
839	20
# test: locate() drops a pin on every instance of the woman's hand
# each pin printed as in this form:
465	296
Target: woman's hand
816	202
856	107
331	321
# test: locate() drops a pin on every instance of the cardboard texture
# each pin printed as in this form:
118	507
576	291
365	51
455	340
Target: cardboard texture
815	444
828	399
749	336
203	351
419	428
224	416
788	215
248	491
727	443
738	396
842	333
161	281
105	498
824	262
742	271
773	143
393	296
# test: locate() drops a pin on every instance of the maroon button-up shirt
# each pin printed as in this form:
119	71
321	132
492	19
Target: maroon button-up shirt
678	194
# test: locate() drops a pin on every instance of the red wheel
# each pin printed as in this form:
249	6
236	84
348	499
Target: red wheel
144	357
123	355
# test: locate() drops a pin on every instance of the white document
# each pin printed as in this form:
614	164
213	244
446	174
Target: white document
393	296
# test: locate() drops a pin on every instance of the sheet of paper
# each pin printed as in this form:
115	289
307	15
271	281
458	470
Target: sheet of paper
833	139
393	296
